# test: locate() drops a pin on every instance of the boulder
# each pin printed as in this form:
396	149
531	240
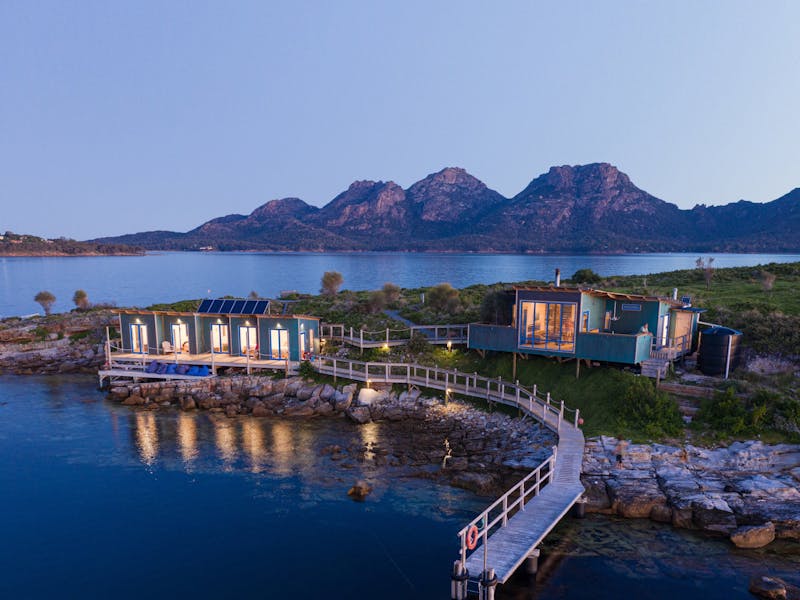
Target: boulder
305	392
360	490
342	401
188	403
596	494
369	396
712	513
327	392
661	513
634	498
756	536
260	411
298	410
358	414
133	400
771	588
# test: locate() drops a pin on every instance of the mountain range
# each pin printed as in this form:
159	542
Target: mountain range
584	208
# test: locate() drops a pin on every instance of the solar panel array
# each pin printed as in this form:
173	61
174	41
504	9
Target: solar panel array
234	307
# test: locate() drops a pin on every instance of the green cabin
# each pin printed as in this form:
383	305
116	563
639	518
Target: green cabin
221	327
591	324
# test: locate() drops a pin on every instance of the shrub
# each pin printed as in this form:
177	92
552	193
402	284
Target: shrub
376	301
81	299
642	407
46	299
444	298
497	308
331	282
391	292
306	370
418	344
585	276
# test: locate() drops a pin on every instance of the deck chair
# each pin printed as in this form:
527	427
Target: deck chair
166	347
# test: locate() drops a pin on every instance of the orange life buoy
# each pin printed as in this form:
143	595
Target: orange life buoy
472	537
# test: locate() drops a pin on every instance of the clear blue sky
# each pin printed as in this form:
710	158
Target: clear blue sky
118	117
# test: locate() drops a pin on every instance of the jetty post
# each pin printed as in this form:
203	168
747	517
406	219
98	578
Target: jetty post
458	581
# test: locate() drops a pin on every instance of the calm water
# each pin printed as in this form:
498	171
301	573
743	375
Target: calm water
143	280
99	500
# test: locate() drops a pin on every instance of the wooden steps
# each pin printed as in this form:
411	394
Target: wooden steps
655	367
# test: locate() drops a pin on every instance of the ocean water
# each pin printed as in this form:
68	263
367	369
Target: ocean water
100	500
166	277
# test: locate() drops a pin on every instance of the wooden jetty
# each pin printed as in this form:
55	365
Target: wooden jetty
443	335
123	364
510	530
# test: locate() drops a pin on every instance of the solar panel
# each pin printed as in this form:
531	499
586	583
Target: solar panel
249	307
204	306
215	306
261	307
238	307
226	307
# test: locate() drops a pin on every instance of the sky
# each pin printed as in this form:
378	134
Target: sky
119	117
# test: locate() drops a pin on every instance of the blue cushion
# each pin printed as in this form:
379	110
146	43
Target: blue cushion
162	368
182	369
203	371
171	368
152	367
193	370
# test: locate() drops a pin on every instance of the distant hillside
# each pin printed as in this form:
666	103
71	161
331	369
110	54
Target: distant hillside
585	208
13	244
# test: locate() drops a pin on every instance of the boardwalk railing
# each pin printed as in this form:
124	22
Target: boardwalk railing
452	382
362	338
562	474
501	510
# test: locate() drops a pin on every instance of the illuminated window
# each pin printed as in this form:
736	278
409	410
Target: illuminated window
548	325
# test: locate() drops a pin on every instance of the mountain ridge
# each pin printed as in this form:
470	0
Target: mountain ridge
580	208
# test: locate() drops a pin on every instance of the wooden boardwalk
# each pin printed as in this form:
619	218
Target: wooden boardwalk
434	334
512	527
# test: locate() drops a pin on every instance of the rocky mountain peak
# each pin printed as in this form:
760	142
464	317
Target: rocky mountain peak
281	207
447	196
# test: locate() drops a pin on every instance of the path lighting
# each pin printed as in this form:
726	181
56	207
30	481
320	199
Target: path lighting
449	345
385	347
369	382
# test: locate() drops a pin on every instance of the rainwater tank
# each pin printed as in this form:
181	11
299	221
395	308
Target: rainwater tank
716	344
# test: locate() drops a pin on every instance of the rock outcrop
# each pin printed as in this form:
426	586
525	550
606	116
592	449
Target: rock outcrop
746	491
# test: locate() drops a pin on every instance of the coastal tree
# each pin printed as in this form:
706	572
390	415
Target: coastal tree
331	282
586	276
376	301
706	266
497	307
391	292
81	299
46	299
443	297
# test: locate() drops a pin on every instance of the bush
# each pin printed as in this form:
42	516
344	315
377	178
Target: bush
331	282
497	308
444	298
306	370
391	293
46	299
585	276
418	344
642	407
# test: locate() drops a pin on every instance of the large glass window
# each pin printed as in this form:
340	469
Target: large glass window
219	338
139	338
279	343
548	325
180	337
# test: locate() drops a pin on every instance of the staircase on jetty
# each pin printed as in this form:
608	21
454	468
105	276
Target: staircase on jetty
510	529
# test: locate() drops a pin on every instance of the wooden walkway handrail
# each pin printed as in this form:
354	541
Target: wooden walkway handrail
550	489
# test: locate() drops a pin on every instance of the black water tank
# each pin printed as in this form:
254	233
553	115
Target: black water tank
714	343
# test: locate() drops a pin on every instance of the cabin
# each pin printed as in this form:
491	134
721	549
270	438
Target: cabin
220	328
591	324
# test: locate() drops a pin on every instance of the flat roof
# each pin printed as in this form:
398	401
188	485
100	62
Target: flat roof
176	313
600	293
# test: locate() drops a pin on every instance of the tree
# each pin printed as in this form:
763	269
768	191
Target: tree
444	297
46	299
331	282
377	301
707	267
81	299
768	280
253	295
497	307
585	276
391	292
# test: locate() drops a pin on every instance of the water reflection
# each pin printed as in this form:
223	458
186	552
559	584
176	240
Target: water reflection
225	437
369	435
187	438
146	437
282	448
253	444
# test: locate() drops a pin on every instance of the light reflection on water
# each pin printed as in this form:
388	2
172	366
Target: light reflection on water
91	483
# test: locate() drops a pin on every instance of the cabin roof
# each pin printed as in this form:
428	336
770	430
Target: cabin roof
176	313
601	294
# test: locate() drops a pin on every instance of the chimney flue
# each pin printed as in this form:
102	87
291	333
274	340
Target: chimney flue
558	277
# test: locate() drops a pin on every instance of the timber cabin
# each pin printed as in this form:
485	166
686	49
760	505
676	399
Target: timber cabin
220	328
593	325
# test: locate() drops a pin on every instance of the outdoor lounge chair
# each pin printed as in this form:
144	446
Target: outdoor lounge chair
166	347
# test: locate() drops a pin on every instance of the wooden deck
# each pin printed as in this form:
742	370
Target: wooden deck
122	365
515	524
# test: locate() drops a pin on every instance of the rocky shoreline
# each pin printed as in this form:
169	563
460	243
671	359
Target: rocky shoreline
455	442
748	491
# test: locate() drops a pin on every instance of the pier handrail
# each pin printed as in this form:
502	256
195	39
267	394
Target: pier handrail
482	522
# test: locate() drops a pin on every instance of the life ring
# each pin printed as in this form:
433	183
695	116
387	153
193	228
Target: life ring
472	537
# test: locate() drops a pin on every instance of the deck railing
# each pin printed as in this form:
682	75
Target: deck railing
363	338
672	349
549	413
